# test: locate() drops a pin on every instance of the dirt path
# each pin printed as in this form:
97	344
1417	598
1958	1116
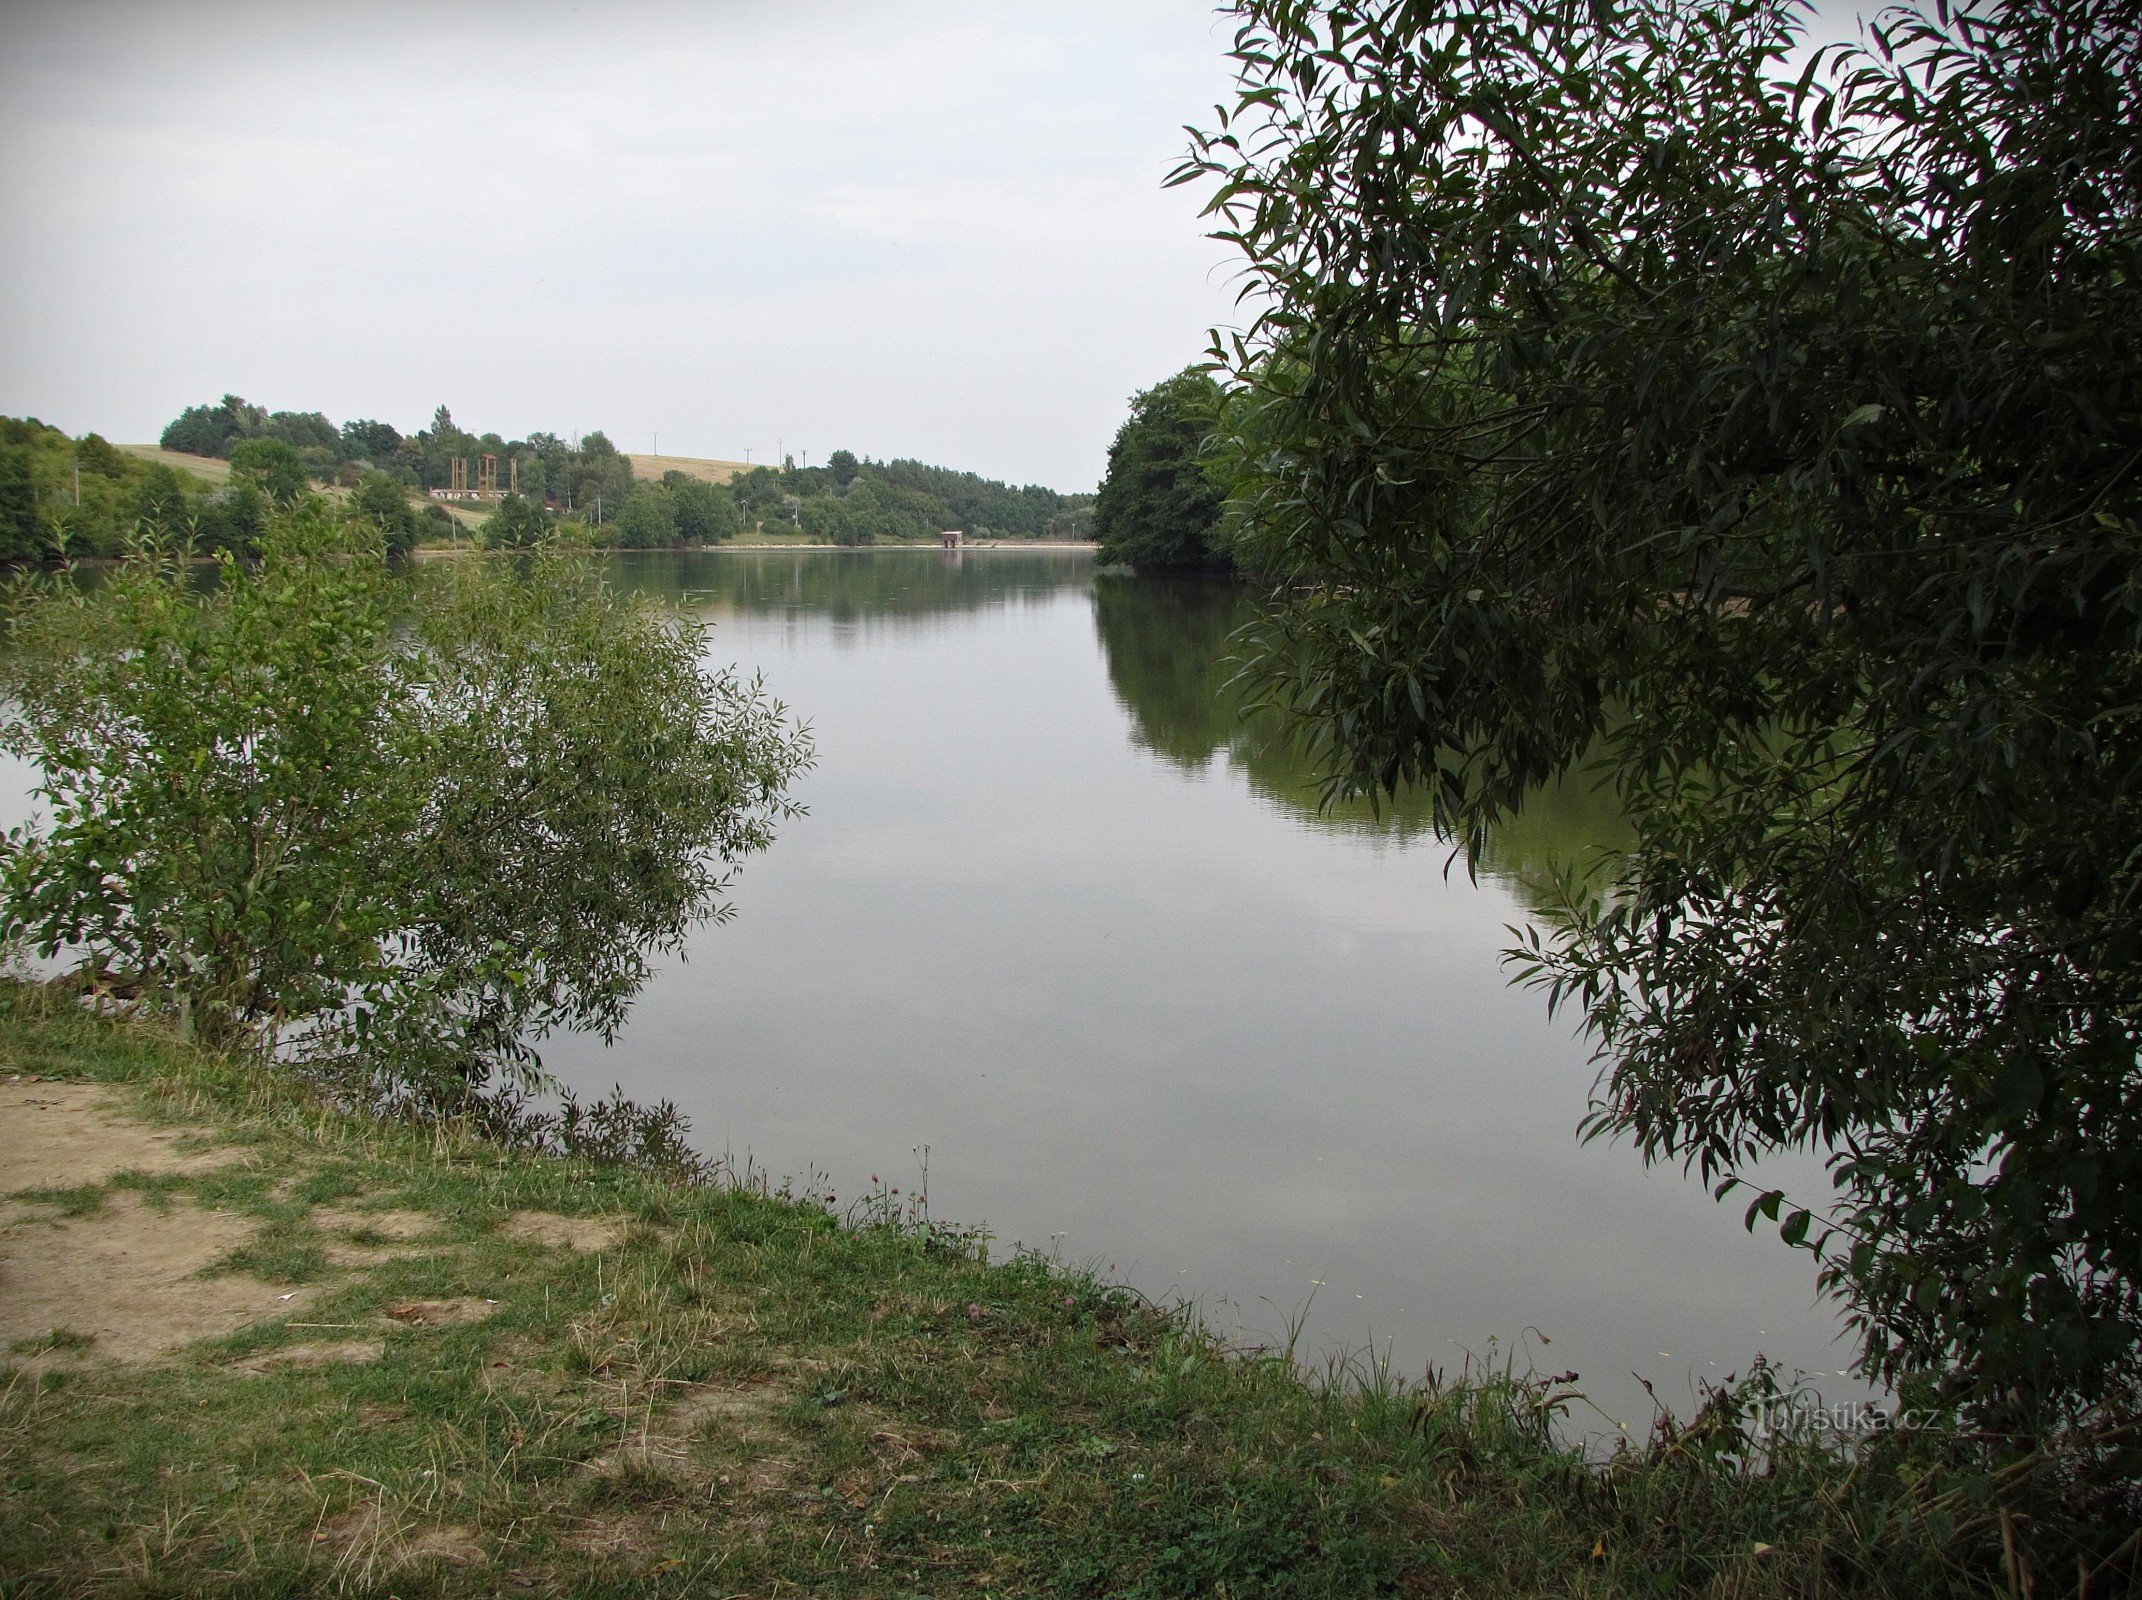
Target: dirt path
88	1265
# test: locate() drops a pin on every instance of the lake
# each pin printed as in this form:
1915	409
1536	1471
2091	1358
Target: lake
1057	917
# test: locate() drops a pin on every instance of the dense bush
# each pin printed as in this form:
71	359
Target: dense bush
383	503
75	497
273	465
409	823
517	524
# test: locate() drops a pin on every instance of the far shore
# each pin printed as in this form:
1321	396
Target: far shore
427	551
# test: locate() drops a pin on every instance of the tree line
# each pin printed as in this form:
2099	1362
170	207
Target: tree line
545	466
855	500
63	498
586	491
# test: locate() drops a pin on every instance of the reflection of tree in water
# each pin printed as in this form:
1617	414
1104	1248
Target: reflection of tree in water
1168	647
1171	659
853	586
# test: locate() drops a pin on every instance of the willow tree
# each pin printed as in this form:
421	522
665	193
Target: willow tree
1632	376
402	825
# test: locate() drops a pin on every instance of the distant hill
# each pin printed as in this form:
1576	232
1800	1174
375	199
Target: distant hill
700	467
214	468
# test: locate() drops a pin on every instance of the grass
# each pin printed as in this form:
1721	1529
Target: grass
738	1393
214	469
649	468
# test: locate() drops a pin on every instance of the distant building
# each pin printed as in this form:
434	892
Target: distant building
486	487
950	538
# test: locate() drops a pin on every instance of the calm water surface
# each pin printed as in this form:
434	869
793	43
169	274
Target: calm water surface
1056	916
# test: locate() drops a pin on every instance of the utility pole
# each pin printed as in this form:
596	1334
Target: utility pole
658	446
78	486
747	455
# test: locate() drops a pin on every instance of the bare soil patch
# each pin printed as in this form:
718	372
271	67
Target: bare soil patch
130	1276
307	1357
370	1543
441	1313
358	1238
399	1226
562	1232
663	1439
636	1537
64	1135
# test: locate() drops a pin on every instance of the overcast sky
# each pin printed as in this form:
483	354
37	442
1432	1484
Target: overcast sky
926	228
929	228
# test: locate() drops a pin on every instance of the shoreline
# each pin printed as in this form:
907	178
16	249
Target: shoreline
425	551
253	1341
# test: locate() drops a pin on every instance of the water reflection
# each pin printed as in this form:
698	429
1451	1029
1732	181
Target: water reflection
1171	647
1059	915
880	588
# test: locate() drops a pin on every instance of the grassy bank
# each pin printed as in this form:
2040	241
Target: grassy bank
445	1367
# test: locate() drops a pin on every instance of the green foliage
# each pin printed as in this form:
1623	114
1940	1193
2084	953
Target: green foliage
62	497
645	520
1173	647
824	516
517	524
322	812
234	518
979	506
382	503
592	479
376	442
592	482
96	455
86	498
213	430
1774	433
22	537
702	513
680	510
852	501
1159	510
164	502
304	431
218	778
273	464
